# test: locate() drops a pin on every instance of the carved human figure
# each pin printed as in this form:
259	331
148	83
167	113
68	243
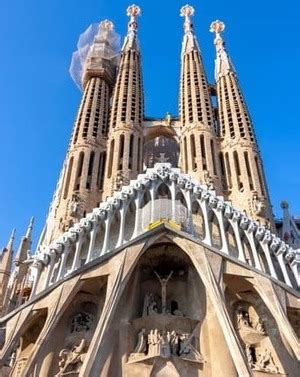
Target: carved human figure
163	283
174	343
150	305
165	349
242	319
71	360
141	346
154	339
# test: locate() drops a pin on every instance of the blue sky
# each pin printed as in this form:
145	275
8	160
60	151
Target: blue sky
38	100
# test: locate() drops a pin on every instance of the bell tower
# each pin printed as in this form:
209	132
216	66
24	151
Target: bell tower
241	164
125	143
199	147
82	180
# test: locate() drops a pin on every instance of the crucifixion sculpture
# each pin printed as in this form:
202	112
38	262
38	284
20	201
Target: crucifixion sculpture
163	283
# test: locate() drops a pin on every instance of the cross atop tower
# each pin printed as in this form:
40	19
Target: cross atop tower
218	28
133	11
187	12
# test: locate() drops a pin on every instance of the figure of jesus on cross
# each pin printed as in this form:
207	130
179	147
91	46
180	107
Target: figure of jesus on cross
163	283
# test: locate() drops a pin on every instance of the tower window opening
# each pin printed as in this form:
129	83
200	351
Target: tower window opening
111	158
203	152
223	171
121	152
185	155
193	153
67	183
228	169
259	173
79	171
249	171
212	147
237	169
131	145
90	171
101	169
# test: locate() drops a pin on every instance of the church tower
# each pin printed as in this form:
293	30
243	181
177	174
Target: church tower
199	146
5	268
125	143
241	164
80	188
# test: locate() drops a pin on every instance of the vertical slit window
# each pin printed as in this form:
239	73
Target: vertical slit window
138	163
249	171
203	152
237	169
67	183
212	147
131	145
90	171
223	171
261	181
185	156
193	150
79	170
228	169
121	152
101	170
111	158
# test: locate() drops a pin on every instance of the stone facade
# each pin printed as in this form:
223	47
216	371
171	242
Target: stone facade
160	255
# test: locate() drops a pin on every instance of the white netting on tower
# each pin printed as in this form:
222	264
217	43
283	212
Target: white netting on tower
98	42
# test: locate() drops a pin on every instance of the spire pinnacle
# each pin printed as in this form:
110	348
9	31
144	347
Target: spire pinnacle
30	227
133	11
218	28
223	63
11	239
131	43
187	12
106	25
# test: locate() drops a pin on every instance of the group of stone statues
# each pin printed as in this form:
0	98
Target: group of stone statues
165	344
255	339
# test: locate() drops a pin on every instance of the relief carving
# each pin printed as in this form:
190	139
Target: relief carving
156	343
254	336
70	361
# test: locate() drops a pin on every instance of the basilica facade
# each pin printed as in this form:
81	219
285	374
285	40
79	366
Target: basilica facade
160	255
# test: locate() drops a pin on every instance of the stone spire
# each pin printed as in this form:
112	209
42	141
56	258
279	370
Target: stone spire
82	180
18	290
5	267
199	145
241	164
127	113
